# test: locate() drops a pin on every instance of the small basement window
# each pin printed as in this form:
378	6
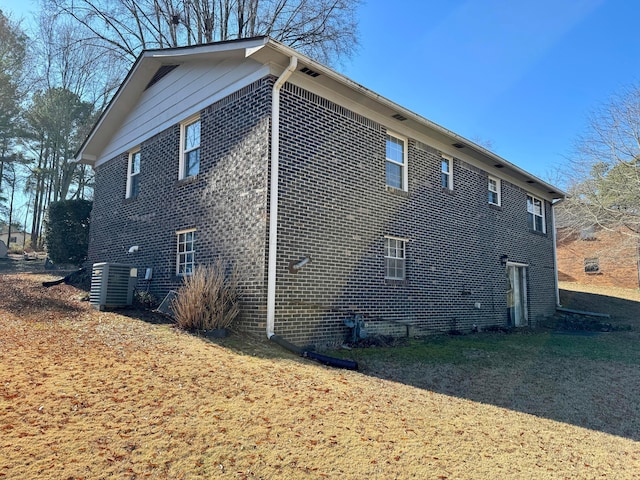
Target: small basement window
394	258
591	265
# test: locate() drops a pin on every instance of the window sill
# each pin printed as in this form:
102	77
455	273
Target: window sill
395	281
448	191
188	180
129	200
497	208
536	232
397	191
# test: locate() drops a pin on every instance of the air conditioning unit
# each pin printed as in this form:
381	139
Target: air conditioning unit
112	285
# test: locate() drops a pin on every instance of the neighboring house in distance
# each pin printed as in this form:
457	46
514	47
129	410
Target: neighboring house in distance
330	199
17	239
598	256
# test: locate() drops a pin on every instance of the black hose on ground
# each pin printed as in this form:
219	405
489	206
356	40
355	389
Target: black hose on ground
66	279
324	359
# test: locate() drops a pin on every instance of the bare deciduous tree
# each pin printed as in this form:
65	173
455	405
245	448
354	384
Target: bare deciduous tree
324	29
604	177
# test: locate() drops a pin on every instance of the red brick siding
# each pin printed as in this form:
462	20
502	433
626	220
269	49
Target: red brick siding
617	255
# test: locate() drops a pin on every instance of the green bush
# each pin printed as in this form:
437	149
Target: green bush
67	231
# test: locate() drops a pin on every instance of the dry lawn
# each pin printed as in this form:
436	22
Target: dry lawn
87	394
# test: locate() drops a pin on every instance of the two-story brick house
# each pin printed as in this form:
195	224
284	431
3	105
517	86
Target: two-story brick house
330	199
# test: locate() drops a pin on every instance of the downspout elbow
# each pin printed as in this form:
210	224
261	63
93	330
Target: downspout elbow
273	205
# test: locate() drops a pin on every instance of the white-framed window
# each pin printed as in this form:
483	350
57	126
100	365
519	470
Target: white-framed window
189	147
494	189
535	214
186	252
446	175
592	265
395	258
396	164
133	174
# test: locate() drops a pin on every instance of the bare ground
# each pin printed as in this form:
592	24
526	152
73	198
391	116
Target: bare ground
87	394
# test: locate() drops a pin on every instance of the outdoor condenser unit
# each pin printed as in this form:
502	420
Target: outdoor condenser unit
112	285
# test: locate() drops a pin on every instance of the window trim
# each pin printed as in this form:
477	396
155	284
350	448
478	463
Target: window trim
183	130
130	175
593	262
542	215
185	252
403	258
449	174
405	157
497	191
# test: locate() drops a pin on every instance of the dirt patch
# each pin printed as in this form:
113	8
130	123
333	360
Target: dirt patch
88	394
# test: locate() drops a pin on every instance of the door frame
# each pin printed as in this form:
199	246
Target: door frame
520	301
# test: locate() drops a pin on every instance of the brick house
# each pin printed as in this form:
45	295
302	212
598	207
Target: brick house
598	256
330	199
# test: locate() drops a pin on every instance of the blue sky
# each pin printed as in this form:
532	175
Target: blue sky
520	74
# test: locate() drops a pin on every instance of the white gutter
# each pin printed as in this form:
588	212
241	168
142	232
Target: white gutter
273	208
555	252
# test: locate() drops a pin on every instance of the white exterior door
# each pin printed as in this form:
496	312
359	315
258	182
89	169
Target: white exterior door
517	294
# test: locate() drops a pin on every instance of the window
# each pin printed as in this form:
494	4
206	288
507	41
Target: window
447	172
190	148
535	213
394	258
494	191
588	233
396	167
13	240
186	252
133	174
591	265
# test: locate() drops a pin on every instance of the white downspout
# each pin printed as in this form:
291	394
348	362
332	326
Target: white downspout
273	206
555	253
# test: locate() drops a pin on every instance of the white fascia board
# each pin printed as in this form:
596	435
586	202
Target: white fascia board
139	76
192	110
348	97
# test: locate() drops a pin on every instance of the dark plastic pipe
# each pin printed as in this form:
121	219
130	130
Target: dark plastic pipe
324	359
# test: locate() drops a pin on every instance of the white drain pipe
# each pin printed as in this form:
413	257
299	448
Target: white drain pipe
273	208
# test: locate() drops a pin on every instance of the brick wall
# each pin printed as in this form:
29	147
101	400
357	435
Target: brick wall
335	209
617	256
226	202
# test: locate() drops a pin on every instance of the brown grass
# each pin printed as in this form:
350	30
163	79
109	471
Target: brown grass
87	394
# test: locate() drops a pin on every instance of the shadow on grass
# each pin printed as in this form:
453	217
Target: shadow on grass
591	381
588	381
620	309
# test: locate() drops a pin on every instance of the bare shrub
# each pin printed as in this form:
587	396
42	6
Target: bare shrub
208	299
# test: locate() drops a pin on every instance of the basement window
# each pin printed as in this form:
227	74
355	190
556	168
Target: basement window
394	258
185	261
591	265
